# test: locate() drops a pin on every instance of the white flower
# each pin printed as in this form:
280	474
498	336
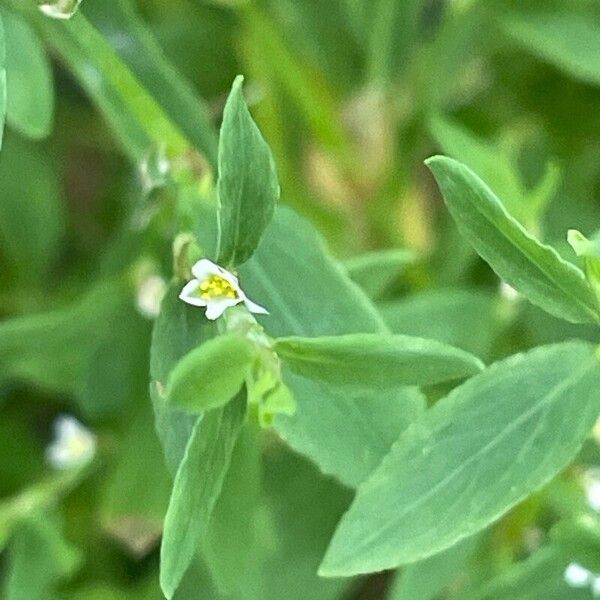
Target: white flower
577	576
60	9
508	292
592	488
150	292
217	289
596	587
73	445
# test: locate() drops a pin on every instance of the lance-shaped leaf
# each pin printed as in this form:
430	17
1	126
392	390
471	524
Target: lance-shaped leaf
489	444
196	489
248	187
534	269
210	375
376	361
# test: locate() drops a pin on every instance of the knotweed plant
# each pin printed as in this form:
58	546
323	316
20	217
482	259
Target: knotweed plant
255	418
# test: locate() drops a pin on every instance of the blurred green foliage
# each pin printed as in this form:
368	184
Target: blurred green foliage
351	96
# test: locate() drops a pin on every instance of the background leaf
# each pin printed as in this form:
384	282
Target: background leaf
565	35
467	319
32	210
375	271
30	97
425	579
3	95
39	557
535	270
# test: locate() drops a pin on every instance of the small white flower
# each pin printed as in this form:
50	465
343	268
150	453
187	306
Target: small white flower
60	9
150	292
596	587
217	289
73	445
154	168
577	576
596	432
508	292
591	482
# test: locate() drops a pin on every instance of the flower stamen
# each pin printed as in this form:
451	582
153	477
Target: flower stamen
216	286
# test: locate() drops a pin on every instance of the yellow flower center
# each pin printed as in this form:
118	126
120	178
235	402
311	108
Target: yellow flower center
216	286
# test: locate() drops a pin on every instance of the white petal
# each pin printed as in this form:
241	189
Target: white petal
205	268
577	576
188	294
255	308
73	444
592	493
215	308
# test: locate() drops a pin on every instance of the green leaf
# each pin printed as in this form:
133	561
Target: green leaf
580	538
30	105
566	36
447	315
497	163
39	557
68	335
364	360
425	579
305	509
146	60
138	120
290	266
532	268
178	329
3	95
210	375
38	497
248	188
487	160
540	577
197	486
135	497
238	539
346	433
393	36
32	215
589	250
374	272
493	441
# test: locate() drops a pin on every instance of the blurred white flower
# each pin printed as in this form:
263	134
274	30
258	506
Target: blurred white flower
154	168
508	292
591	482
596	587
216	289
60	9
73	444
596	432
150	292
578	576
